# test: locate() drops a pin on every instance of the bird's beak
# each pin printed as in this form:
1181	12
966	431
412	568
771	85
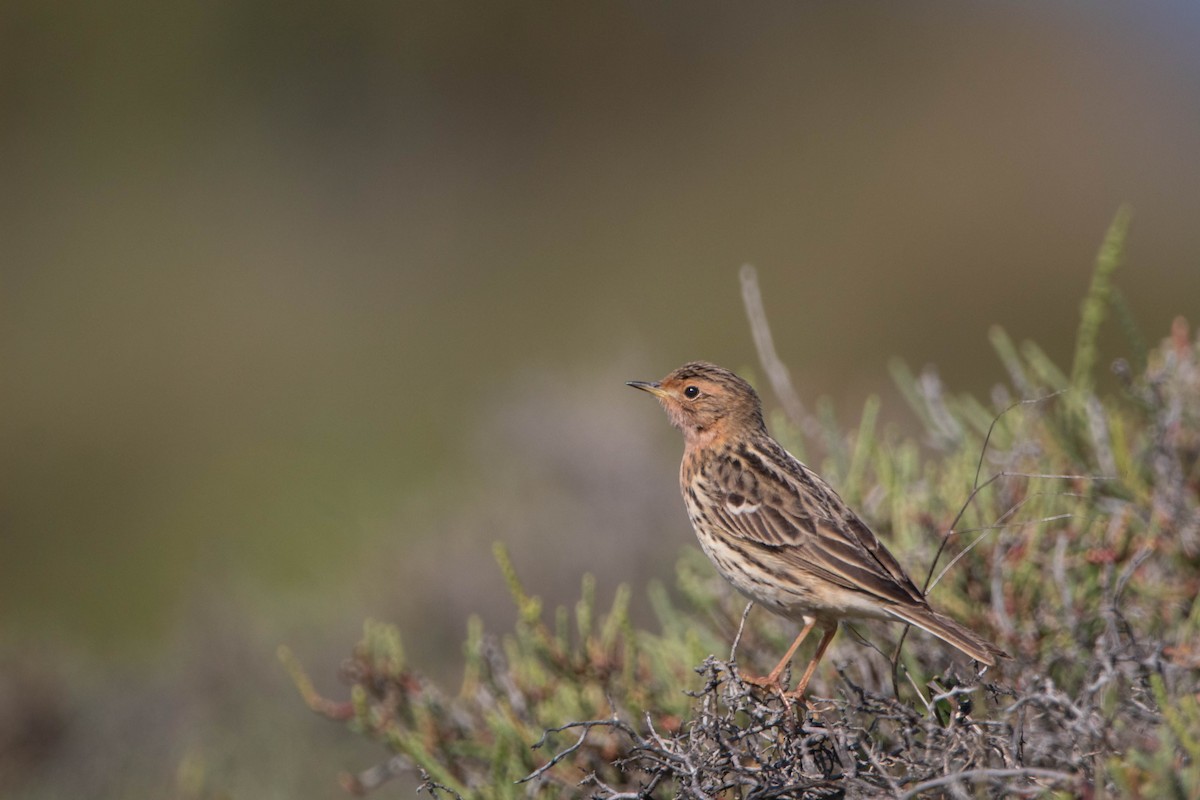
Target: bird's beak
653	387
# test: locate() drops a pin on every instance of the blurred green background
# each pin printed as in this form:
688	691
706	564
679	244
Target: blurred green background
303	304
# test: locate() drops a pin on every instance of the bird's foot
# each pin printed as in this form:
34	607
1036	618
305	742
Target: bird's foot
773	685
770	682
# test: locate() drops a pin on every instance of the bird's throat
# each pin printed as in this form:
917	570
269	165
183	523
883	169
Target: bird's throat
700	438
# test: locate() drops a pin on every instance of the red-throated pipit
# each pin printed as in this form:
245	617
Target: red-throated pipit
777	531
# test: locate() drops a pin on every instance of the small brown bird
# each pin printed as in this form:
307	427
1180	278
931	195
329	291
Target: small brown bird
777	531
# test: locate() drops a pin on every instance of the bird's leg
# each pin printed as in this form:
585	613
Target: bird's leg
771	681
798	693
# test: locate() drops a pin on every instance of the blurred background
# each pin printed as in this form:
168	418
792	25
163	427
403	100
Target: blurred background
302	305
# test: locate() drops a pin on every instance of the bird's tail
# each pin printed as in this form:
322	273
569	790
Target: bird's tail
951	632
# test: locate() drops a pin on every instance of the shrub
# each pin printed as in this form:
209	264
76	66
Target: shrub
1077	550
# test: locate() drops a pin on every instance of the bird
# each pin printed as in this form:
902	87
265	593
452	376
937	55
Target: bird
778	532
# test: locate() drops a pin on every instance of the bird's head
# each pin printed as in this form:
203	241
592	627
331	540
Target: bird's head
707	402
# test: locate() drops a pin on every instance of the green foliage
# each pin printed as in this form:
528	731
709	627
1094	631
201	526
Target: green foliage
1097	302
1064	525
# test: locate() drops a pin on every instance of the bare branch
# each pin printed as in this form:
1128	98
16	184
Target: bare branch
764	343
991	775
741	627
587	727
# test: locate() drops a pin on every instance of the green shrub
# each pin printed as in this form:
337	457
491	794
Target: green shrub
1063	524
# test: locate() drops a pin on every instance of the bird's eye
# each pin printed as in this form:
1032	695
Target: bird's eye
691	392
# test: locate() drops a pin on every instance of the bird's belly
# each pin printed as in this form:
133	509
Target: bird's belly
757	579
771	584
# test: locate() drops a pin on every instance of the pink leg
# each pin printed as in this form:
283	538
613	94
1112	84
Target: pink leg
771	681
812	665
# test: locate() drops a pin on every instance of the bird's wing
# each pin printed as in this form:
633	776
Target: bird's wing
765	496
